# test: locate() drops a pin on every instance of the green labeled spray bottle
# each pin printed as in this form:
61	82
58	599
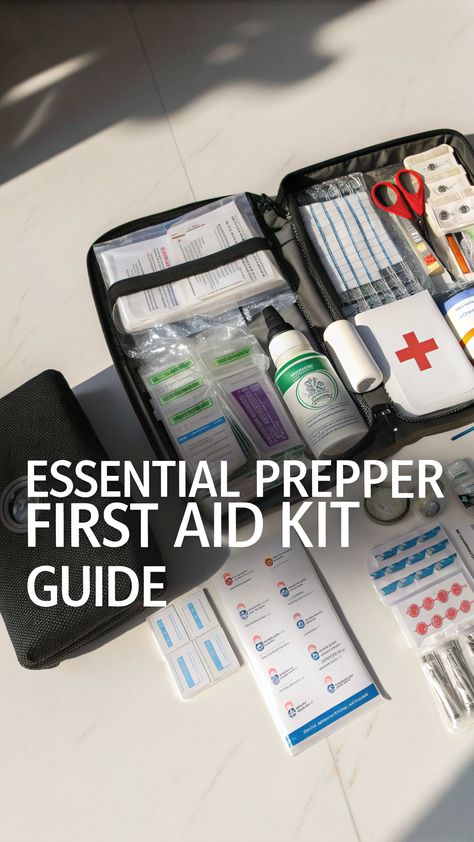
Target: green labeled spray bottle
317	400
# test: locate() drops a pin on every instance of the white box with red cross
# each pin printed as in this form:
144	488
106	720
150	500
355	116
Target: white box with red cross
424	368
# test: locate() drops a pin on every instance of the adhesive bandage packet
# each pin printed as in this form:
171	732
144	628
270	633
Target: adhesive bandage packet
302	656
195	235
194	645
192	412
169	630
197	612
424	580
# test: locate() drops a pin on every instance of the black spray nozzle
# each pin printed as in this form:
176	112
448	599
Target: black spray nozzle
275	323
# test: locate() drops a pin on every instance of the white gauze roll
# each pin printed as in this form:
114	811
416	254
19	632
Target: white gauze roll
355	364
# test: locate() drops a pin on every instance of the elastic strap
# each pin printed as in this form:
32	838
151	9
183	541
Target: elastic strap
140	283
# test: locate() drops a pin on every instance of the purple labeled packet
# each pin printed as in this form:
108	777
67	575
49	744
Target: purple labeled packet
260	411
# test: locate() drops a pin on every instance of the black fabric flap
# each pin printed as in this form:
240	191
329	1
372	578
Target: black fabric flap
375	157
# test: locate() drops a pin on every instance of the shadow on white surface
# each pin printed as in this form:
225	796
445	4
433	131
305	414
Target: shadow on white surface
71	69
451	818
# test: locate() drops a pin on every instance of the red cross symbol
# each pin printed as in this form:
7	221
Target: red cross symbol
417	350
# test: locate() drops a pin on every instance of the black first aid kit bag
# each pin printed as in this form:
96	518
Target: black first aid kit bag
42	420
284	237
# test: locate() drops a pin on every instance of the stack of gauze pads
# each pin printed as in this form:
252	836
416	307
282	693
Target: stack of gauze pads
193	643
426	583
449	208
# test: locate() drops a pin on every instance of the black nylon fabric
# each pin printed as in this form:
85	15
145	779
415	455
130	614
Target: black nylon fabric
375	157
43	420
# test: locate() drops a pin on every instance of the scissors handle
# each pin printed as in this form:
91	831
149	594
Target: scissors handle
414	198
399	207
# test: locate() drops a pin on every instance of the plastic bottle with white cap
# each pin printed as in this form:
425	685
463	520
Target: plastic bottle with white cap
318	401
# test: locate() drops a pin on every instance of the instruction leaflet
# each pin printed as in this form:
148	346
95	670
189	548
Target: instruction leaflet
183	241
304	660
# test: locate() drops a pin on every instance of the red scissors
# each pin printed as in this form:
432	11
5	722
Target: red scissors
408	203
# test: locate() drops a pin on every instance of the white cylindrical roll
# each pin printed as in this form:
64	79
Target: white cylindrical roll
355	364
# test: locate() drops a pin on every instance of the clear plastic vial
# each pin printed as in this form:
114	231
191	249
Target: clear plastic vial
460	474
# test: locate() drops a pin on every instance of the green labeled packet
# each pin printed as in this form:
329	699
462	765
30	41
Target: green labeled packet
194	415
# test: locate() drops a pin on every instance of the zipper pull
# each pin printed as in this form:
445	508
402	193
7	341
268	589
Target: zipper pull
269	204
391	420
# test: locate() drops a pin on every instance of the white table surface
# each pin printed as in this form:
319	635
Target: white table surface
112	110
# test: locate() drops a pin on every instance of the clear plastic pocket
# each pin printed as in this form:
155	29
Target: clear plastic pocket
191	237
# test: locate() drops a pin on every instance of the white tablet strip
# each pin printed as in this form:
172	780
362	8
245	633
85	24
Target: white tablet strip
168	629
197	612
188	670
194	645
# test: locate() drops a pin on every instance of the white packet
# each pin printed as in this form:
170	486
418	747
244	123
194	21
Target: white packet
440	158
442	182
453	211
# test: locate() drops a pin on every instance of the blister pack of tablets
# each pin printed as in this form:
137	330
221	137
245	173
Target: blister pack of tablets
424	580
194	645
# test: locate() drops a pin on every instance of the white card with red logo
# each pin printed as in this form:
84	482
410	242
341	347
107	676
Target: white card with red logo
424	368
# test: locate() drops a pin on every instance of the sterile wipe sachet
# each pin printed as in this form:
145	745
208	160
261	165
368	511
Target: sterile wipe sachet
237	367
193	413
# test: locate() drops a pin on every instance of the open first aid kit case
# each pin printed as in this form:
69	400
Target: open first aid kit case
383	303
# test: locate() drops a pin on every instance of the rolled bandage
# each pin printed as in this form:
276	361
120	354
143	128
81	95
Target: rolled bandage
354	362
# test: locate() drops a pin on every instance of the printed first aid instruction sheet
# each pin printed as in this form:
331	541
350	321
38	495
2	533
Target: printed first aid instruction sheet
303	659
